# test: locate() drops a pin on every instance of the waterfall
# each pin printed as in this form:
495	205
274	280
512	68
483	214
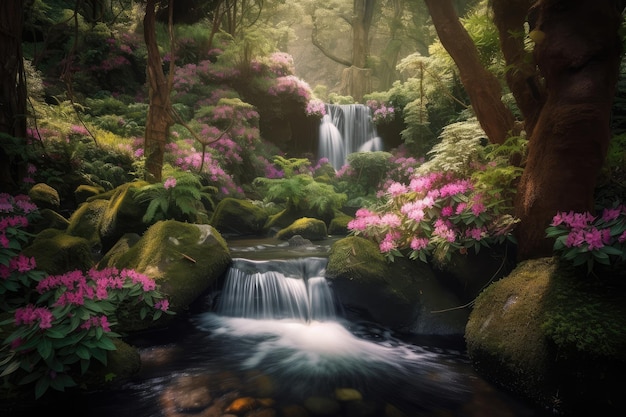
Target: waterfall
286	289
347	128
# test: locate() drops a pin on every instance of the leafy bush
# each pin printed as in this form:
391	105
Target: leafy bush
584	239
62	323
178	197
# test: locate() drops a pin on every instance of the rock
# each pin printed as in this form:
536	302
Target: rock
184	259
191	393
321	406
403	295
347	394
85	220
234	216
84	192
57	252
50	219
307	227
552	337
241	405
44	196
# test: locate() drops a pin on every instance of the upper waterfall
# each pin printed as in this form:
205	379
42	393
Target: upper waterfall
347	128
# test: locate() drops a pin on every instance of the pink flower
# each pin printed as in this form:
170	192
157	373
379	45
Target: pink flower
162	305
30	314
419	243
170	182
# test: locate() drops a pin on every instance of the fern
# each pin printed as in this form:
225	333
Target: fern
460	148
178	197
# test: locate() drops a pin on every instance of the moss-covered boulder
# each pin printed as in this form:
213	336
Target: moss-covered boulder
123	214
403	295
85	220
84	192
185	259
49	219
554	337
234	216
308	228
339	224
44	196
57	252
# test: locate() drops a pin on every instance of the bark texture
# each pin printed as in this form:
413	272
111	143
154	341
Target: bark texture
12	87
481	86
159	118
578	54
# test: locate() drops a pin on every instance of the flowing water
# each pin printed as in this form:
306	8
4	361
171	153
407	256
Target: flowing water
345	129
274	341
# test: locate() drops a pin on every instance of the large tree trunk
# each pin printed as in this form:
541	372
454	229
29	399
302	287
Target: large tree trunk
356	80
159	112
578	56
12	88
482	87
521	75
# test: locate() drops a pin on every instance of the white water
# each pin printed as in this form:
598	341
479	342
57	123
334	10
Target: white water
346	129
279	318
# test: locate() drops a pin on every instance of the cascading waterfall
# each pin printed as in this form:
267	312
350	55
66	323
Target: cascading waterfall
279	318
277	290
347	128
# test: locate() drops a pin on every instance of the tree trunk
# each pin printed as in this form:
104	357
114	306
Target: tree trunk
578	55
521	75
12	88
482	87
356	80
159	117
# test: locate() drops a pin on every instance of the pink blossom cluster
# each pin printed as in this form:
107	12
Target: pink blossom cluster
381	112
291	85
30	315
591	232
281	64
435	210
76	287
315	107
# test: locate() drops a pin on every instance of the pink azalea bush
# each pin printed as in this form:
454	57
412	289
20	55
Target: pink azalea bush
61	323
431	216
583	238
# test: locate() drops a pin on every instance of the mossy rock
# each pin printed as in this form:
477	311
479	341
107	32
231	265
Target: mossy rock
184	259
122	215
401	295
557	339
84	192
308	228
85	220
234	216
119	249
44	196
339	224
50	219
57	252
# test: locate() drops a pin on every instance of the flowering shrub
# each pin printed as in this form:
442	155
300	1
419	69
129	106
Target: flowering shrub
381	113
431	216
583	238
315	108
63	322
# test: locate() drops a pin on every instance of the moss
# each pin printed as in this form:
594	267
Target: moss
308	228
84	221
339	224
122	215
239	217
83	192
586	315
56	252
185	259
357	258
44	196
552	336
50	219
